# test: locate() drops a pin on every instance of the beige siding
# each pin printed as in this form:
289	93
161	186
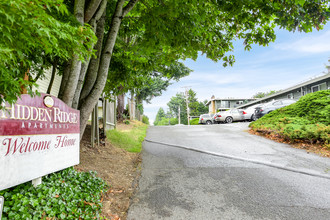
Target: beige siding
43	83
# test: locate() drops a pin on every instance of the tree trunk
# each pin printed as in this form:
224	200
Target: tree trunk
65	78
90	101
26	78
92	72
97	67
98	26
71	84
132	107
137	110
91	9
120	106
80	83
53	76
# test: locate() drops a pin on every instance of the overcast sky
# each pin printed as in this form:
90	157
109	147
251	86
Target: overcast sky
291	59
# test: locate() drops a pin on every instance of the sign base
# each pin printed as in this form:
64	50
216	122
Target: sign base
37	182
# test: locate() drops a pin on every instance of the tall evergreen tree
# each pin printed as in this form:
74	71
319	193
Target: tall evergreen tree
160	115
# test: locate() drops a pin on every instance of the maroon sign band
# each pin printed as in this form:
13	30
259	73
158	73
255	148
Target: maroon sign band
38	136
43	114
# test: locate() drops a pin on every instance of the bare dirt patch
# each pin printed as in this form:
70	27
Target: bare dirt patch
119	168
317	148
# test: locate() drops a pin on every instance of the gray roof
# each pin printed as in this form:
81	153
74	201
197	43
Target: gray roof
298	86
229	99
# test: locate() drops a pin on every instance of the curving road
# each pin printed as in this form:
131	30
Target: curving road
223	172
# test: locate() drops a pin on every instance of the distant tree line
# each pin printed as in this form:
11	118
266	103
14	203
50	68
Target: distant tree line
264	94
178	106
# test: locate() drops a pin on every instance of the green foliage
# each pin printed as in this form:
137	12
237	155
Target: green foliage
196	108
145	83
128	140
193	103
167	121
202	108
307	119
151	87
160	115
174	121
32	32
145	119
176	102
156	36
194	121
163	122
314	107
264	94
126	122
211	27
125	117
140	108
67	194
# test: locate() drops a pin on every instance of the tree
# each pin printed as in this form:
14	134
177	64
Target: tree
160	115
33	37
192	103
182	29
178	28
177	105
195	108
202	108
264	94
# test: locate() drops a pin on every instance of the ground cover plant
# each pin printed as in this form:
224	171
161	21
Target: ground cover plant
66	194
129	140
306	120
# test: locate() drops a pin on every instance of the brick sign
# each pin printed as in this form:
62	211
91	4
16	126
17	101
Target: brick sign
38	135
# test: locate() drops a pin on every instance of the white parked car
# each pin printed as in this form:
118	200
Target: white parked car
229	116
206	119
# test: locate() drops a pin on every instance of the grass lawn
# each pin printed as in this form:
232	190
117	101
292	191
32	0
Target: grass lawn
128	137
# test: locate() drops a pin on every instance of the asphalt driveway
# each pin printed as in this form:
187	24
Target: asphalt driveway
223	172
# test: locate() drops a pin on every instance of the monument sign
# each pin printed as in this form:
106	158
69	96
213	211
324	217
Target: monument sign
38	136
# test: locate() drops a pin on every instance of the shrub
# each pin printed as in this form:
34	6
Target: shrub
66	194
174	121
163	121
307	119
194	121
167	121
145	119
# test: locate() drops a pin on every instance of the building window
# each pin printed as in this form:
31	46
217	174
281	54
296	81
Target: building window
290	96
315	88
322	86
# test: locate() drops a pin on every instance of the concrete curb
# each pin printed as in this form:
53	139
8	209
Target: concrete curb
243	159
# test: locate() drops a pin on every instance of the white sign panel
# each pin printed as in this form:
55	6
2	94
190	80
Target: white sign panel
2	201
38	136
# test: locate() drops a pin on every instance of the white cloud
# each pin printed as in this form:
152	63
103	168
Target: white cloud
311	44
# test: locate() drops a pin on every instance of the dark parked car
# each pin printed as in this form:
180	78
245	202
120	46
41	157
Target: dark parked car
250	112
271	106
206	119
